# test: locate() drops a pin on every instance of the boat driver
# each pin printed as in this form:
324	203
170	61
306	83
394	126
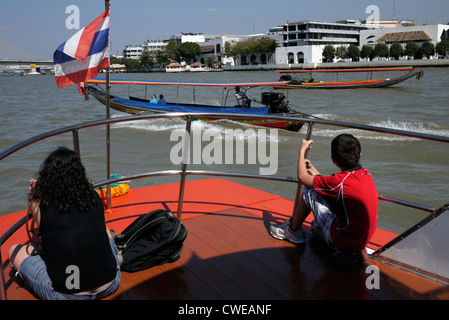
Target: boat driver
242	99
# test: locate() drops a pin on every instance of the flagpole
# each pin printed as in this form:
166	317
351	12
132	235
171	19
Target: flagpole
108	128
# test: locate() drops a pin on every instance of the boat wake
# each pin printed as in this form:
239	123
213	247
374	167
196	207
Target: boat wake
157	125
169	125
235	130
418	127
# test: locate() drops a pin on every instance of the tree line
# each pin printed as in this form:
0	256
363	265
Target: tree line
381	50
188	51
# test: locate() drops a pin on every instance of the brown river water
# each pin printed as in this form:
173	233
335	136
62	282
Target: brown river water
405	168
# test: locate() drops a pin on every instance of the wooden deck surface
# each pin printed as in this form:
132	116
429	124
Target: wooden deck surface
229	255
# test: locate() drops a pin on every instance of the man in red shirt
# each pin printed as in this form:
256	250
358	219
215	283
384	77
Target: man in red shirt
344	204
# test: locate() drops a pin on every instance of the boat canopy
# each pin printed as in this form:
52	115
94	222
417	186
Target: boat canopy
193	108
188	83
347	70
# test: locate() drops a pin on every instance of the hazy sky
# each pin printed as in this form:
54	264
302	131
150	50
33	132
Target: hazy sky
39	27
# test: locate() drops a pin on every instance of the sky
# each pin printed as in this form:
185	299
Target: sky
34	29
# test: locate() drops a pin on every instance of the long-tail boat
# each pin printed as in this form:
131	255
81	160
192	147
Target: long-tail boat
310	83
271	103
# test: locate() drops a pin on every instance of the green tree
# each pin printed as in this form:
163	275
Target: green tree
241	48
188	51
419	54
353	52
251	46
265	45
227	49
411	49
380	50
115	60
367	52
396	50
442	48
171	49
147	60
132	64
428	49
341	52
169	53
162	58
328	53
210	61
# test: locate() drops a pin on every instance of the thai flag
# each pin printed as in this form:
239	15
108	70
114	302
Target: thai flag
82	56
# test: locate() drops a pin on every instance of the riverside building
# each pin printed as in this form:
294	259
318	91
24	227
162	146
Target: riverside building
433	33
304	41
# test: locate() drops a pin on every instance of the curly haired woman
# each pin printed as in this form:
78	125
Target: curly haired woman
76	258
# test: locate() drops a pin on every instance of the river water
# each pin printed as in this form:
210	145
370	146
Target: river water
409	169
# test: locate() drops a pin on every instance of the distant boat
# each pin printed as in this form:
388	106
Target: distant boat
311	83
34	71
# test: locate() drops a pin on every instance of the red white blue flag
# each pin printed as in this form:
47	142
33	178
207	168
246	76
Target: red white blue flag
82	56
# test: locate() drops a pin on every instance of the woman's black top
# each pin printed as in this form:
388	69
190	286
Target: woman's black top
76	248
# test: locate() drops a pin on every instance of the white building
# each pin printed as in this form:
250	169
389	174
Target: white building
131	52
434	33
299	54
217	46
192	37
153	46
304	41
135	52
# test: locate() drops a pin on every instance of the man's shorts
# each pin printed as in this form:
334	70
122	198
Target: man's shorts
323	209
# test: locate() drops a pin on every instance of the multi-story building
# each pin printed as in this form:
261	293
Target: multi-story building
303	41
192	37
155	45
135	52
132	52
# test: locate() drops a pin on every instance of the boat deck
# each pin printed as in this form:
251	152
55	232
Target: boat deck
230	255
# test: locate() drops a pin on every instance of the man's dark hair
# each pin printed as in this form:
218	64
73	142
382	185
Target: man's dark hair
346	151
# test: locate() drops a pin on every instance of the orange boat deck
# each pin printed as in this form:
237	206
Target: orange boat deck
230	255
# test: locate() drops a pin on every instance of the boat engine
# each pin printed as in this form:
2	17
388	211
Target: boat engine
286	77
276	102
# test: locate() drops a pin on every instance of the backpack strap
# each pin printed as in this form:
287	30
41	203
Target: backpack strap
120	257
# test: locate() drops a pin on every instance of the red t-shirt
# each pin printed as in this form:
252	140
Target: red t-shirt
357	202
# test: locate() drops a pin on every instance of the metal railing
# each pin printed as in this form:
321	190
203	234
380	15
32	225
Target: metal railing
183	172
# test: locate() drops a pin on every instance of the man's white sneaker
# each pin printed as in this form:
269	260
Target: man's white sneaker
284	232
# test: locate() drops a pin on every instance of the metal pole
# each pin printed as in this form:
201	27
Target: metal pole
2	280
108	129
76	142
185	160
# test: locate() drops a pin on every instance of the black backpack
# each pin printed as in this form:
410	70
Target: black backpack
152	239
